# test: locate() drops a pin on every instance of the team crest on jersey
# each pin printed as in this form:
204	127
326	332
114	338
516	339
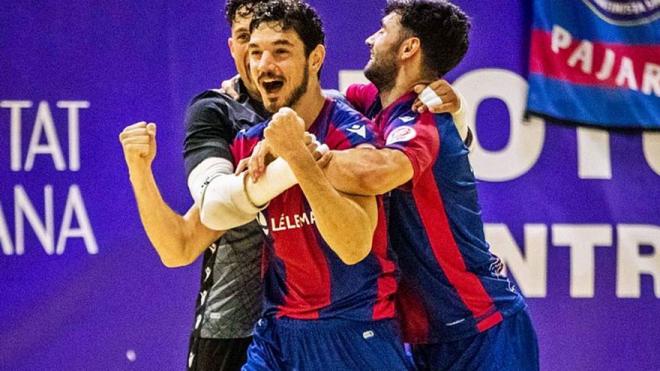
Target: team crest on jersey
625	12
401	134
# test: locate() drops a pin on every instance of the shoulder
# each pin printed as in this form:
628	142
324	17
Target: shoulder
410	125
362	96
343	113
348	128
208	107
412	118
254	132
246	140
362	91
208	100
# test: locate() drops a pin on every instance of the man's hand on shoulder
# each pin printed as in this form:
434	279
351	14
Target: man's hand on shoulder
441	97
228	87
449	100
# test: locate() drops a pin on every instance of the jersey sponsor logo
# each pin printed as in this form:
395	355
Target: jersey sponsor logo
625	13
358	129
296	221
401	134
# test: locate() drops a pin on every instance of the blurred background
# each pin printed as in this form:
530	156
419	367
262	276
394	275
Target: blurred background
574	212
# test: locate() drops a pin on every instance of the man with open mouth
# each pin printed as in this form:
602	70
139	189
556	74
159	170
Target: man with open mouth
229	300
329	282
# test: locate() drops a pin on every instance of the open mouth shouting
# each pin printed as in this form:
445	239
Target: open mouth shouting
271	85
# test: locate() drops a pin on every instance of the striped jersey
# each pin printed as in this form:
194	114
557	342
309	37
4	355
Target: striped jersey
451	284
303	277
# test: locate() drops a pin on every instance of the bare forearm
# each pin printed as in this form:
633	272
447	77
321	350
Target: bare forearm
368	171
335	213
179	240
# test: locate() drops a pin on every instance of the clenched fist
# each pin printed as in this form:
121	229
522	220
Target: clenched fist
284	134
139	144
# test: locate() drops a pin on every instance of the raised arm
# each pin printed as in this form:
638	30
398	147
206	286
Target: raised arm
178	239
335	213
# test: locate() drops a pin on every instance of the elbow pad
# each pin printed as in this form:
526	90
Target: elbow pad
224	204
209	168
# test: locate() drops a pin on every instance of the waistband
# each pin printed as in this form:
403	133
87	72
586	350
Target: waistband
321	324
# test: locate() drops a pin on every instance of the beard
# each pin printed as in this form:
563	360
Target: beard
382	70
294	97
299	91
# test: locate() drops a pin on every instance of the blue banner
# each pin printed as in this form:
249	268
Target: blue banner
596	62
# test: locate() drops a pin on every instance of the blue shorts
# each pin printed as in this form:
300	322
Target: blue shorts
511	345
288	344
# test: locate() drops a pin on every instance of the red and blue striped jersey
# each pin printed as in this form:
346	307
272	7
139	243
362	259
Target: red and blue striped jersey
303	277
451	284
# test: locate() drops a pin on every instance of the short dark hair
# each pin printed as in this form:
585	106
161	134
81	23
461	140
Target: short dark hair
239	7
441	27
292	14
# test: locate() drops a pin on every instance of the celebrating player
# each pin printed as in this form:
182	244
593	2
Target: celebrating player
329	283
457	309
229	301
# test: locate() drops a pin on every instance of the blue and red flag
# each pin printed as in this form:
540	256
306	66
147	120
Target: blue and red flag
596	62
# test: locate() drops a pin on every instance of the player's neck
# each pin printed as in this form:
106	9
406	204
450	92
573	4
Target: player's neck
404	84
406	79
390	96
400	88
309	106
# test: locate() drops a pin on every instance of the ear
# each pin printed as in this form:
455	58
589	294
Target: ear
316	58
410	47
230	44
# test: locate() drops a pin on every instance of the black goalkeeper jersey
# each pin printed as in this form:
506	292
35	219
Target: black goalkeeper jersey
229	301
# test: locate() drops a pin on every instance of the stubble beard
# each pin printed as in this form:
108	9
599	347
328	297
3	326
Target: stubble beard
295	96
381	71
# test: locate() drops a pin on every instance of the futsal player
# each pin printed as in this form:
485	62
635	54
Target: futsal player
329	283
229	300
457	309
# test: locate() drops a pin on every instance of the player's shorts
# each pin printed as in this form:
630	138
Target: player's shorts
217	354
511	345
288	344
